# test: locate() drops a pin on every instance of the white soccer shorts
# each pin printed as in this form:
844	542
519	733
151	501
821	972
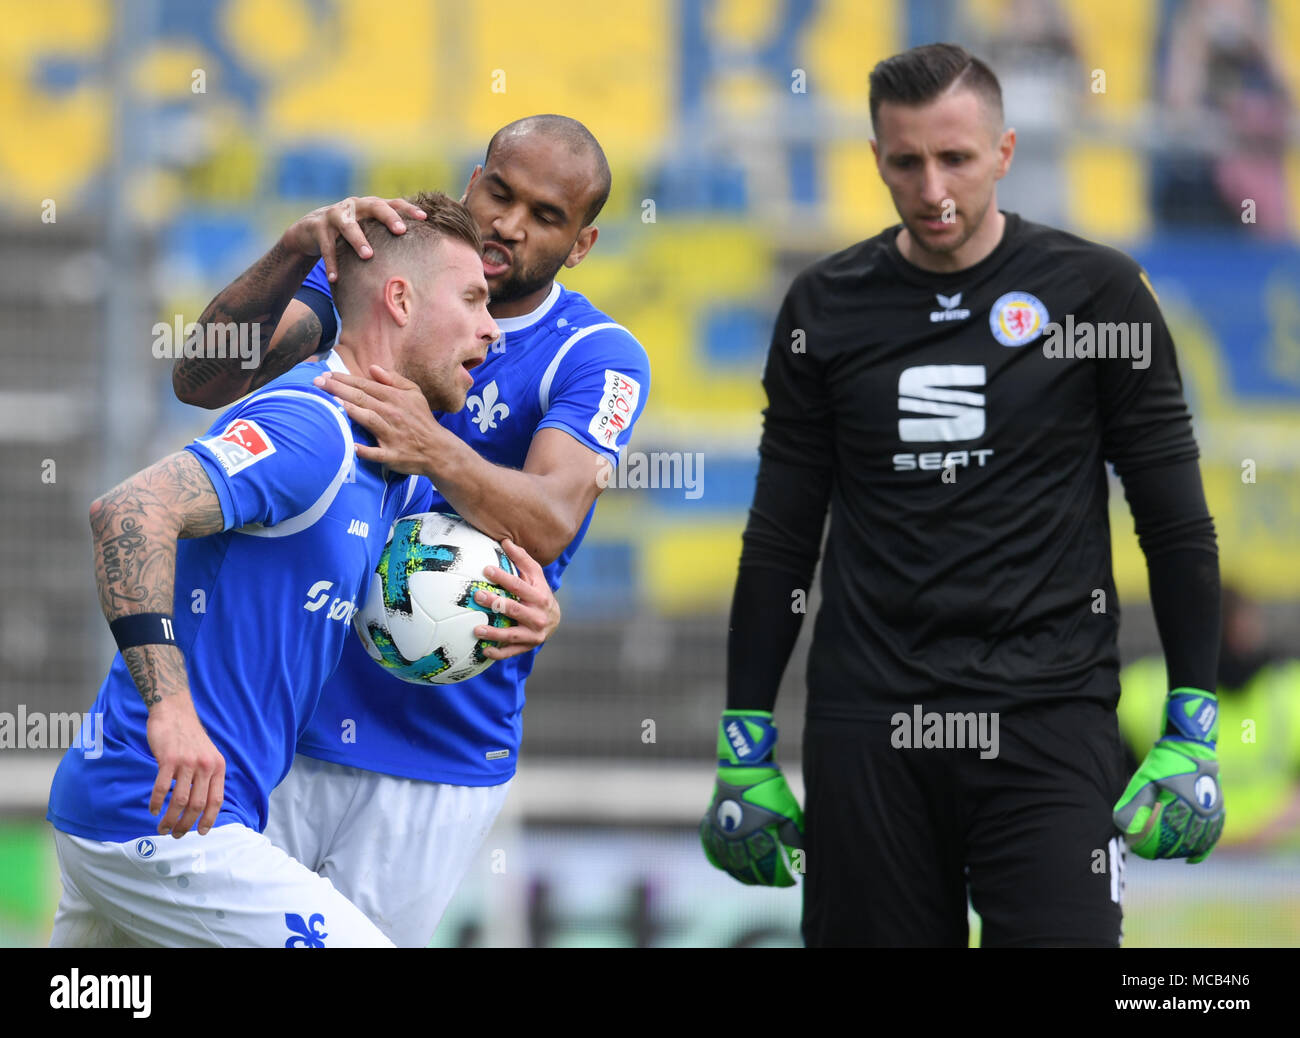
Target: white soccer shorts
396	848
231	888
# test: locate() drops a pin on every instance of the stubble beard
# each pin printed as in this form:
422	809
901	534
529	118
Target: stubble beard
437	392
517	285
947	249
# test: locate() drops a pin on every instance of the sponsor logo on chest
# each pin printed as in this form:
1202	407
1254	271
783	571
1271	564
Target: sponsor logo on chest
950	309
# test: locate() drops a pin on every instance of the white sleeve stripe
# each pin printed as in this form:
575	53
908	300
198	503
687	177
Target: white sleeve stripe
298	523
410	490
544	390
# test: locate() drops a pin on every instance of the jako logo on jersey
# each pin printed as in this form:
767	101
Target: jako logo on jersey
1017	318
617	405
305	934
243	443
488	408
360	527
318	595
950	309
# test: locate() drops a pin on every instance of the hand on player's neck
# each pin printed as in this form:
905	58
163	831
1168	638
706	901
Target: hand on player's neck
977	247
358	352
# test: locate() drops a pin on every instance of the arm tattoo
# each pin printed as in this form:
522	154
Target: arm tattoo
157	670
135	527
259	297
297	343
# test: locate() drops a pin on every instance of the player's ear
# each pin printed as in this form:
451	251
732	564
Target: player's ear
586	239
875	151
478	172
397	300
1006	149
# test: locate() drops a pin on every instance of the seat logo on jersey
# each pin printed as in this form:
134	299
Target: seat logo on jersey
243	443
1017	318
959	413
950	309
319	593
617	406
306	934
489	410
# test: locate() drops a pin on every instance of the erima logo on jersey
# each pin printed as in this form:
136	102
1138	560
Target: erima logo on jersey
950	309
318	594
241	444
958	415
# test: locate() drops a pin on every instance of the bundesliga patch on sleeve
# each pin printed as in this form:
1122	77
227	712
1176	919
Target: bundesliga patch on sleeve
617	406
243	443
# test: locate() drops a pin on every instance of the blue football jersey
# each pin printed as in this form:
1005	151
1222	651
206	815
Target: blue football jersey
564	366
261	610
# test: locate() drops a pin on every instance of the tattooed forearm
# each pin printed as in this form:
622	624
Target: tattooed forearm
135	527
298	342
157	670
259	297
193	375
117	553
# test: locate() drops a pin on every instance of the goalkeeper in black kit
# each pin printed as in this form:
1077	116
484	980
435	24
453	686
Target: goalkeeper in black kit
951	390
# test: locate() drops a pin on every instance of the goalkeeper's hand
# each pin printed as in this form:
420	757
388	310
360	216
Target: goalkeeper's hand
1173	805
753	829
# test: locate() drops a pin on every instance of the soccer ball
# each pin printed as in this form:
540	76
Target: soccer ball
419	614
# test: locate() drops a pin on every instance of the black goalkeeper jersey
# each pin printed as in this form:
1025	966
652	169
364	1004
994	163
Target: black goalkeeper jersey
968	553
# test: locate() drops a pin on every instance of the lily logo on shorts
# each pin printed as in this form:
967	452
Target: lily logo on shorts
145	848
305	934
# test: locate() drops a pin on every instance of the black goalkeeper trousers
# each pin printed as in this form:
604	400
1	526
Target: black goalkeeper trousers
899	834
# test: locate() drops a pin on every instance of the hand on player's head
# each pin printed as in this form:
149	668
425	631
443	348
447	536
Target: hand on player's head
318	233
450	329
419	306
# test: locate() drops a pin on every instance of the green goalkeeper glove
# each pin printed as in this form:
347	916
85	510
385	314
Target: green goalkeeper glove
1173	805
753	829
